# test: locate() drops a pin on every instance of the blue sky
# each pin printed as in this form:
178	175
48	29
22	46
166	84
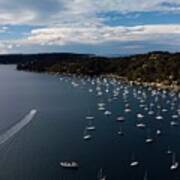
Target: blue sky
89	26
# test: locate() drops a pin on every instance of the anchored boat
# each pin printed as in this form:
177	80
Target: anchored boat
69	164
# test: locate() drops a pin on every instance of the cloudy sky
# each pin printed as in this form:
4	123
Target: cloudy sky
89	26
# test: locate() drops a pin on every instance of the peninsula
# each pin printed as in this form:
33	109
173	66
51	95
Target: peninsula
160	69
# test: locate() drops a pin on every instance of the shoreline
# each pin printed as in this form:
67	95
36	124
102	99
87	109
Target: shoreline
157	85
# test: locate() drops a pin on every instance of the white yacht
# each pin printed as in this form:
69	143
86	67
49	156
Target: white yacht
69	164
134	162
101	108
139	115
107	90
120	118
175	116
89	117
74	84
141	125
150	112
90	126
86	135
158	132
148	139
169	150
164	110
101	104
99	93
127	110
120	132
90	90
174	123
107	113
174	164
159	117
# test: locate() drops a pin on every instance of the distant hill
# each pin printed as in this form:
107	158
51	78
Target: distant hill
158	67
23	58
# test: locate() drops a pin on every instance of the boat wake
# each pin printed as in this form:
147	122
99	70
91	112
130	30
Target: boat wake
17	127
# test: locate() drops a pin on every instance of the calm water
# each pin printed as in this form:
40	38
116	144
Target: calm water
56	132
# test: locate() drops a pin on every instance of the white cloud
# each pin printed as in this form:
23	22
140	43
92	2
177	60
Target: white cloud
77	21
137	5
165	35
23	17
95	35
48	12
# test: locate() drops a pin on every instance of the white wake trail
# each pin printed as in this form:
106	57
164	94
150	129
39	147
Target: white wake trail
17	127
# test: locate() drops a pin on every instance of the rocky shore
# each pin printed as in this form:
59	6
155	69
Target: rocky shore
157	85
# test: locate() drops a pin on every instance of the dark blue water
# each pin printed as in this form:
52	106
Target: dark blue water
56	132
